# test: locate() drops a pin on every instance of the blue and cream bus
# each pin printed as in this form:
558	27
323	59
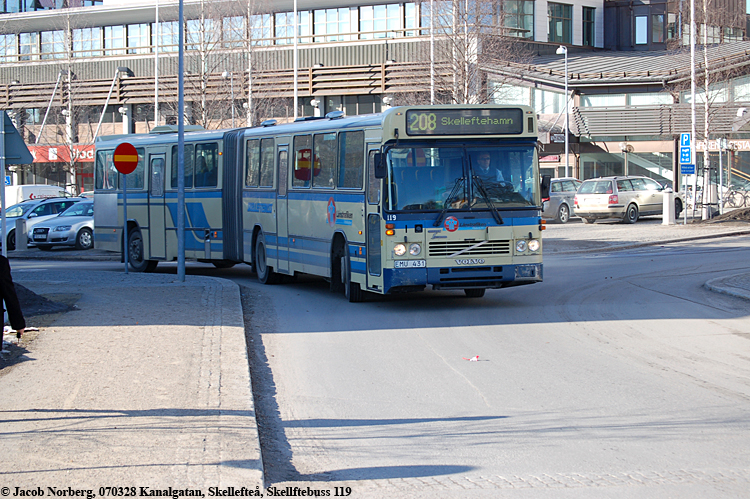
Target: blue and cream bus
381	203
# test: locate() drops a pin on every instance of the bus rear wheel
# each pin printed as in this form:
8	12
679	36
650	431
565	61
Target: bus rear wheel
266	275
136	255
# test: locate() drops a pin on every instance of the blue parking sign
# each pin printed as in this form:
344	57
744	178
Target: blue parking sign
686	155
684	139
7	180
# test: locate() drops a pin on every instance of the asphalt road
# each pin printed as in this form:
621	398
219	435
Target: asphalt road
619	375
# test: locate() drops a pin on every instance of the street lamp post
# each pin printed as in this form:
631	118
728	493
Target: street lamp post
563	50
230	75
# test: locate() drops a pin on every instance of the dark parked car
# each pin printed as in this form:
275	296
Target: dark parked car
559	205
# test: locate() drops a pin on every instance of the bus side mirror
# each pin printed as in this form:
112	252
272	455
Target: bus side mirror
379	163
546	179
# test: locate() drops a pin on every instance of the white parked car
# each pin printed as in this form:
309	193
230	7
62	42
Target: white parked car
73	227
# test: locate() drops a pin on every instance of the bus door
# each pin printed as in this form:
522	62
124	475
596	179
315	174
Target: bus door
374	223
282	219
157	229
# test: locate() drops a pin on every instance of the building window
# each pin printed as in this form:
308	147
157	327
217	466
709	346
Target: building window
233	32
588	26
8	48
284	27
560	28
379	21
169	36
672	27
410	18
53	44
260	29
332	22
518	18
201	35
641	30
28	44
114	40
606	100
138	39
733	34
657	28
87	42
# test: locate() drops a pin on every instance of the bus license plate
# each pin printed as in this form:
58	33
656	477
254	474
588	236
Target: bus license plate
408	264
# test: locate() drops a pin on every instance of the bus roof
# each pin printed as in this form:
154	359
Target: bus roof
333	120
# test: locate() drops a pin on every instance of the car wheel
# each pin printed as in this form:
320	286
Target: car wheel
12	240
44	247
266	275
223	264
589	220
631	214
474	293
677	207
563	214
84	239
136	254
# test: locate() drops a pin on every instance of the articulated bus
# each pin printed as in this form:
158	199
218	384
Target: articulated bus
382	203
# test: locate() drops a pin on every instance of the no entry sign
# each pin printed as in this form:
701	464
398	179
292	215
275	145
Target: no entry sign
125	158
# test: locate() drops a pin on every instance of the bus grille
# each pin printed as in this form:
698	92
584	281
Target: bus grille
478	248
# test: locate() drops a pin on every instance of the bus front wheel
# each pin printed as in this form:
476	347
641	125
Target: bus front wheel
266	275
474	292
352	290
136	254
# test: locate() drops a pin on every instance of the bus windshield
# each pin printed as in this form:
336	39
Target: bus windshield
453	178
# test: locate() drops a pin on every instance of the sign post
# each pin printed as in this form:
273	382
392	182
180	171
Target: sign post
13	151
126	160
687	166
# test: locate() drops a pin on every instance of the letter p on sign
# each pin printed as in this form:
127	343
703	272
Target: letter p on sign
125	158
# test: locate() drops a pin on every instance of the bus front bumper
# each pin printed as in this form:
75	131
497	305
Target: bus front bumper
493	276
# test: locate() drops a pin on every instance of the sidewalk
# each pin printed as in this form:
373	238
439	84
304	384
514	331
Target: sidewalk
145	385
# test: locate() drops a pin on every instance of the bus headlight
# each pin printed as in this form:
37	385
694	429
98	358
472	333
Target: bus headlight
415	249
534	245
399	249
521	246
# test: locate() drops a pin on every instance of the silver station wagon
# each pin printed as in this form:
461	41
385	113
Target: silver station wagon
626	198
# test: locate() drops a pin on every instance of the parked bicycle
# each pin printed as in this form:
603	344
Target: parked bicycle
736	198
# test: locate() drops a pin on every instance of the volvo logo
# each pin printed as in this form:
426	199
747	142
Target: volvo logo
470	261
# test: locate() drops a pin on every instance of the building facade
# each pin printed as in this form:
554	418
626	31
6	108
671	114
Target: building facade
72	70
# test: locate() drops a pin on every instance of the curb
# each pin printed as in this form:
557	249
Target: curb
649	243
716	286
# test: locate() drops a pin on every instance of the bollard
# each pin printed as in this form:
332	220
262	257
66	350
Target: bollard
668	207
22	240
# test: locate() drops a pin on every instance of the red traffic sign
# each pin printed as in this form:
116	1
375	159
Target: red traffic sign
125	158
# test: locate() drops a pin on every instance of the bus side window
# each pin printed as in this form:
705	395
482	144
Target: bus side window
266	162
351	157
135	179
324	161
373	184
106	175
303	161
188	152
206	165
252	155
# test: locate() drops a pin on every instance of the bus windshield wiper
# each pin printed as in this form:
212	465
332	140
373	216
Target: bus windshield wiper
453	192
483	192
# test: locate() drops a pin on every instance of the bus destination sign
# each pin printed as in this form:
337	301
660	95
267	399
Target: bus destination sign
464	122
